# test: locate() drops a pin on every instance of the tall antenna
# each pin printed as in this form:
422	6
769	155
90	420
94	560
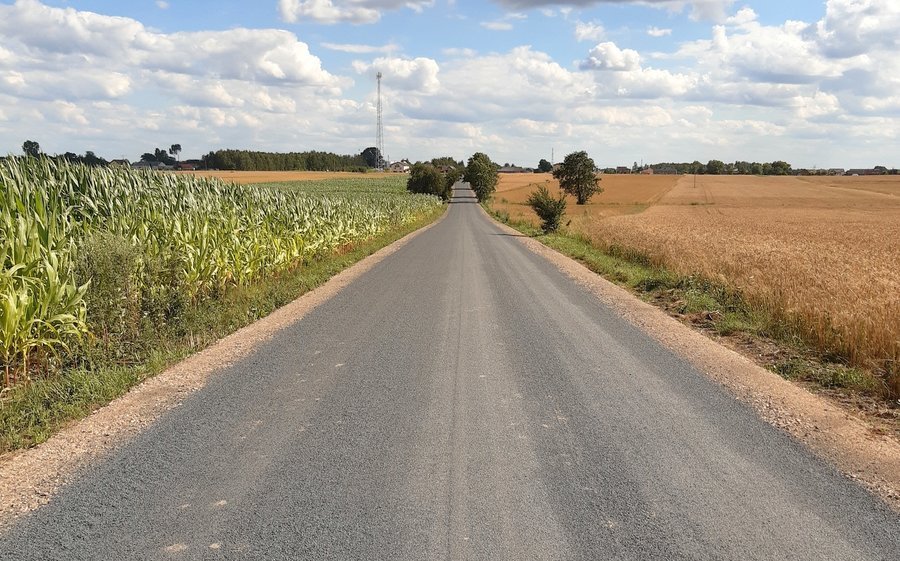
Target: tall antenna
379	135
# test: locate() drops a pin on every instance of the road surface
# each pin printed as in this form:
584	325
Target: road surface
462	400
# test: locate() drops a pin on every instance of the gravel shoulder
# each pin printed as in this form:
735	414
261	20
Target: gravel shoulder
856	447
30	478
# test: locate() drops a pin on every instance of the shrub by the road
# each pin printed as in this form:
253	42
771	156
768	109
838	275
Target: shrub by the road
549	209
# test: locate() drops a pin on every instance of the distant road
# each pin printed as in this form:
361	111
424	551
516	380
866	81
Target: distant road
461	400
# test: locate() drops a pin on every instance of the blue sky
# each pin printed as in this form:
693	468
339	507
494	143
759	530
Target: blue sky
813	82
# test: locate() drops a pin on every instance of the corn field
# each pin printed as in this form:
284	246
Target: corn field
211	235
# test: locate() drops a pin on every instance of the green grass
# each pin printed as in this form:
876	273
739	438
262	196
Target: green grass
30	414
710	306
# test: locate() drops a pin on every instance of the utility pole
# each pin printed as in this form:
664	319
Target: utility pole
379	135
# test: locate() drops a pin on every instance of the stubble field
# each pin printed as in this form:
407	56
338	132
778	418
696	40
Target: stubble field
822	253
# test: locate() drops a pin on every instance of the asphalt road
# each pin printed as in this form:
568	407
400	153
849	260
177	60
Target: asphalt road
462	400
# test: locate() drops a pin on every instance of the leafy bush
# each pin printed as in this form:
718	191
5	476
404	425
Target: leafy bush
425	179
550	210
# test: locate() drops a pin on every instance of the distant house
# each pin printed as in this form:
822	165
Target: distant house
513	169
399	167
623	169
864	172
120	163
155	166
837	171
188	166
648	171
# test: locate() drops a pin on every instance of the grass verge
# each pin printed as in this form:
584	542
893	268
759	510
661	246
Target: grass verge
719	311
30	414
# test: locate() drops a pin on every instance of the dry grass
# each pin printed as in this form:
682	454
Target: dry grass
821	253
248	177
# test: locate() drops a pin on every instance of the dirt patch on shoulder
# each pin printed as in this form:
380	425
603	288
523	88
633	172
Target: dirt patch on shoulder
861	450
30	478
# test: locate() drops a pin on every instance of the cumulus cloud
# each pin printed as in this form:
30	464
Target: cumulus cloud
410	74
102	56
607	56
344	11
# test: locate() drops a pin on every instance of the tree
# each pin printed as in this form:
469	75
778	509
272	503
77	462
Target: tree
372	157
451	178
781	168
715	167
163	156
577	176
426	179
175	150
481	174
31	148
544	166
550	210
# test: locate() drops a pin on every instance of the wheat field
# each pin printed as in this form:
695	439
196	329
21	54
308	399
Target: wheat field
820	252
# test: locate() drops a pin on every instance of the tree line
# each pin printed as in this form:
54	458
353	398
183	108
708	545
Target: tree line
247	160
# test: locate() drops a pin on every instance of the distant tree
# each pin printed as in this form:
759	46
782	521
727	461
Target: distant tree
715	167
92	159
163	156
544	166
549	209
451	178
577	176
372	157
175	150
446	161
31	148
148	157
425	178
481	174
781	168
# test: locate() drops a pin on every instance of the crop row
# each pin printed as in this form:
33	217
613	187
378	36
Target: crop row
194	235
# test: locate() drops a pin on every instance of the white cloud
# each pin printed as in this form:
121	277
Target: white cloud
344	11
455	52
497	25
607	56
700	9
416	75
360	49
658	32
588	31
162	4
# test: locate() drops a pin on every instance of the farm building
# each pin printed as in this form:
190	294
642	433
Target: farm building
664	170
399	167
